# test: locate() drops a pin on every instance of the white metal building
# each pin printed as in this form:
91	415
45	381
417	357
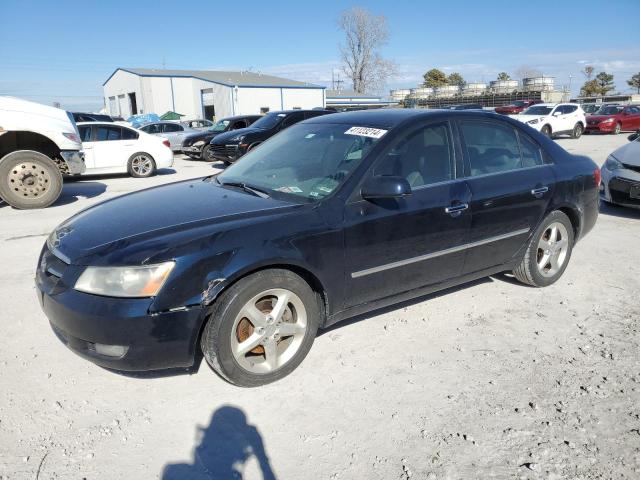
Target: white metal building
205	94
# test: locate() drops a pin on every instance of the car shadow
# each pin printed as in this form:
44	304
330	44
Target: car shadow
619	211
224	449
108	176
72	191
218	165
407	303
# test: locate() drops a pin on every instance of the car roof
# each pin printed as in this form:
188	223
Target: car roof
106	124
389	118
238	117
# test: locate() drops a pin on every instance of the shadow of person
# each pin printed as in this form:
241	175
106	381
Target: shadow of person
224	449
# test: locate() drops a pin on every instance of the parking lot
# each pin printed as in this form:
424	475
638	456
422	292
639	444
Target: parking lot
491	379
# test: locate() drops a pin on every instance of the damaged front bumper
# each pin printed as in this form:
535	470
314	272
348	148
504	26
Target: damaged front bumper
74	161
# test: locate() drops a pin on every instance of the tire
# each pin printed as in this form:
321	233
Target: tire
192	156
546	130
531	270
226	329
141	165
617	130
29	179
205	153
577	131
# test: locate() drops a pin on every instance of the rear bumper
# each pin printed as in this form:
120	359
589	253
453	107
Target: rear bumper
89	325
74	160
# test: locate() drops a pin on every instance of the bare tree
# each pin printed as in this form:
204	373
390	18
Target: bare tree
365	33
525	71
587	71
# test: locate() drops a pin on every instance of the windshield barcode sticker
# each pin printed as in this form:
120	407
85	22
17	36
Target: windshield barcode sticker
366	132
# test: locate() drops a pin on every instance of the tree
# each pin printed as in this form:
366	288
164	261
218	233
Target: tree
435	78
605	83
589	89
365	34
456	79
587	71
635	82
504	76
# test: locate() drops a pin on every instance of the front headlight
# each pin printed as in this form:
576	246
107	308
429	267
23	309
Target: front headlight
612	163
132	282
609	120
198	144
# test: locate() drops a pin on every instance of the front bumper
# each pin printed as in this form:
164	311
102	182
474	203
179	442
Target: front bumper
226	153
91	325
620	189
601	127
192	149
74	160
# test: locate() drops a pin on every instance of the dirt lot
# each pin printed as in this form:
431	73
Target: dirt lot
492	379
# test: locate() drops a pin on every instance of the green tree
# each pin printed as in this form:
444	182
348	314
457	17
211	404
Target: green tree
605	83
504	76
635	82
435	78
456	79
590	89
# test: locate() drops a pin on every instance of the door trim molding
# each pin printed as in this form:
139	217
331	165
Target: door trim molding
439	253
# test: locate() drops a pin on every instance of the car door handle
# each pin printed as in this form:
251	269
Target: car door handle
538	192
456	210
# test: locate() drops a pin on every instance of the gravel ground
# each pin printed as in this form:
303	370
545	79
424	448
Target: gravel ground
491	379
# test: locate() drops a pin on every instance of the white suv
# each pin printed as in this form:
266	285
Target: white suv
555	119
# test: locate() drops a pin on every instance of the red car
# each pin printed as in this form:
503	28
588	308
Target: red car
516	107
614	119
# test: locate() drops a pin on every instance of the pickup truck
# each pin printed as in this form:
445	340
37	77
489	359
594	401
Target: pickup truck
39	145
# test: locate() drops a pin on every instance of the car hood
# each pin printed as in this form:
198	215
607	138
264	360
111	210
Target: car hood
629	153
148	215
226	136
200	136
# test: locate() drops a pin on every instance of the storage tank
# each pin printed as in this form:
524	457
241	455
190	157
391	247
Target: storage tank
503	86
539	84
399	94
421	92
476	88
447	91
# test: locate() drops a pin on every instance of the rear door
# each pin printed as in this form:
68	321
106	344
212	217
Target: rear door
174	132
110	149
630	118
397	245
510	186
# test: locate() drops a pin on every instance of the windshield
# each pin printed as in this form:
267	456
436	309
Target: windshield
220	126
538	110
609	110
269	121
518	103
308	161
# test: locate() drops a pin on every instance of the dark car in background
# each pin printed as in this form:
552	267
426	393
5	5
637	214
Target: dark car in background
197	145
614	119
516	107
91	117
590	108
333	217
230	146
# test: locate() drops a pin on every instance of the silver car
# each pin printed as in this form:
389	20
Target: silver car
172	131
621	175
198	124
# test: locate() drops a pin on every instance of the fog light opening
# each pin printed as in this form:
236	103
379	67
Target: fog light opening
110	350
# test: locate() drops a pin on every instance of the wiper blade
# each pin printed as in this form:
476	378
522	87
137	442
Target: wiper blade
247	188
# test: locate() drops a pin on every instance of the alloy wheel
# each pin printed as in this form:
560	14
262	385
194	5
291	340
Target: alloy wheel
552	249
268	331
141	165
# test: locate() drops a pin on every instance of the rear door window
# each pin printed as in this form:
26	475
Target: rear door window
172	127
491	147
108	133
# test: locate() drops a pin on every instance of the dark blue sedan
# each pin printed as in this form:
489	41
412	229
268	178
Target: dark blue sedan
332	217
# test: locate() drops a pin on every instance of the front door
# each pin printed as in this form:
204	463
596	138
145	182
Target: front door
397	245
510	187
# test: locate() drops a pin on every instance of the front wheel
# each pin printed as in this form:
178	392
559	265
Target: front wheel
548	252
29	179
261	328
206	153
141	165
577	131
546	130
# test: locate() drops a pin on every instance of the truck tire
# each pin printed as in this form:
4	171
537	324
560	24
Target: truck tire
29	179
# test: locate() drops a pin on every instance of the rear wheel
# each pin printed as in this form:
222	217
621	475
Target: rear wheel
141	165
577	131
617	129
548	252
261	328
29	179
546	130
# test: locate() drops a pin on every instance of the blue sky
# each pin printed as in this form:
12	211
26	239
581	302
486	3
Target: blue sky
64	50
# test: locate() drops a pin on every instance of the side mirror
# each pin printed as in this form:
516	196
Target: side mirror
634	136
384	186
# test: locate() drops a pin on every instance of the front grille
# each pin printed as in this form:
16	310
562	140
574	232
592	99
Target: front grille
619	189
224	151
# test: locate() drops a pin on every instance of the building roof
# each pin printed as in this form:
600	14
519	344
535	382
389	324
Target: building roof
230	79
